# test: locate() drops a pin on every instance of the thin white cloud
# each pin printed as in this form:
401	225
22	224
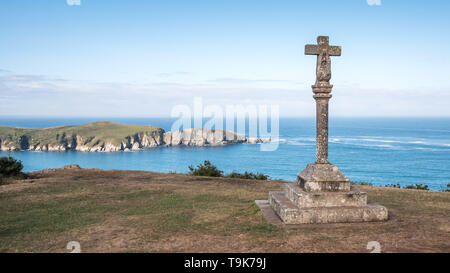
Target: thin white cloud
40	95
174	74
246	81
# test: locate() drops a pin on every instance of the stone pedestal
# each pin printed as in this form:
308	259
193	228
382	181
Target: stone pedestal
323	194
297	206
323	177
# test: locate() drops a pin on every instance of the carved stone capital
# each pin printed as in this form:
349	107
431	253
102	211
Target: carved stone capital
322	96
322	88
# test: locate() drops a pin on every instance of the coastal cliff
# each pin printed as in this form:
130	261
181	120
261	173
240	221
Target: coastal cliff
107	136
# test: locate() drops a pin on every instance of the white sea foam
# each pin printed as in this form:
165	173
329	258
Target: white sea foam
303	139
380	140
398	143
279	140
294	143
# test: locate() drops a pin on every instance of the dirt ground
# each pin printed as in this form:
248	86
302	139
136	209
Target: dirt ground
131	211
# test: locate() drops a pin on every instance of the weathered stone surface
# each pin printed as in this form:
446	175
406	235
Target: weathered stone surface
323	50
322	90
323	177
268	213
322	128
291	214
304	199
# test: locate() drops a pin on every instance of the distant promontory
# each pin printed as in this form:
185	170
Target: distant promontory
105	136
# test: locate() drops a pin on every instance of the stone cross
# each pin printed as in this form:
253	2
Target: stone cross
322	194
322	91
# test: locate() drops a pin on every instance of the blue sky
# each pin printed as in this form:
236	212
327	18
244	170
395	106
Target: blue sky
141	58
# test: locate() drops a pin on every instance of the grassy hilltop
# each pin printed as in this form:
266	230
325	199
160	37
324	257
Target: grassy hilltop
97	133
131	211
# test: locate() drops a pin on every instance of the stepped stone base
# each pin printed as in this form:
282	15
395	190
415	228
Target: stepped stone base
304	199
291	214
332	201
323	194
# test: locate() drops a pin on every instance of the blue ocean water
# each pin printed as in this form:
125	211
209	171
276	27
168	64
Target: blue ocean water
376	150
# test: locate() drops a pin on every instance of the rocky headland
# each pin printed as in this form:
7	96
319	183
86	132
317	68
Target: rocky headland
107	136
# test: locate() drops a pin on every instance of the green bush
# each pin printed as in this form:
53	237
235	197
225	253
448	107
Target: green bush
393	186
364	183
10	166
248	175
207	169
417	187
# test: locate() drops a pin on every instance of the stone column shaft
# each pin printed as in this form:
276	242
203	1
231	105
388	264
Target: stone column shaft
322	96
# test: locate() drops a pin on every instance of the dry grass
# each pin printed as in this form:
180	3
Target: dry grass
129	211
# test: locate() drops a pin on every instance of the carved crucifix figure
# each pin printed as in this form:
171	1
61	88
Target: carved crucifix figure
322	90
323	51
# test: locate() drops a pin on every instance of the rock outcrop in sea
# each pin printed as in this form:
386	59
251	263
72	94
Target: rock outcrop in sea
82	139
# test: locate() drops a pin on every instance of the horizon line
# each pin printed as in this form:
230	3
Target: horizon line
168	117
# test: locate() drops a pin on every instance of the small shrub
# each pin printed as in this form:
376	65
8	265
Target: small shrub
206	169
234	175
417	187
261	176
10	166
364	184
248	175
393	186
